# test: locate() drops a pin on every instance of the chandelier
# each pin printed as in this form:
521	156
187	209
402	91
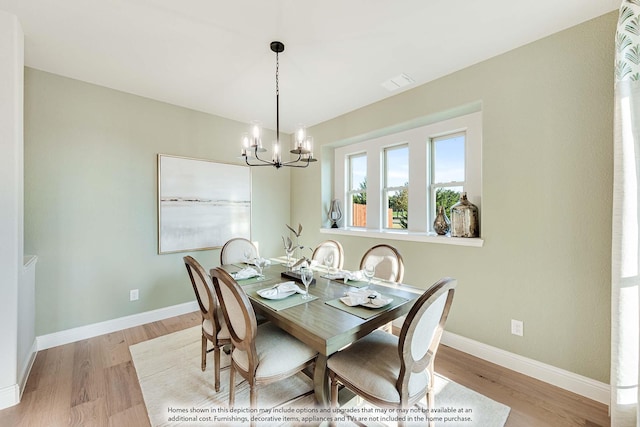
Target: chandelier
252	142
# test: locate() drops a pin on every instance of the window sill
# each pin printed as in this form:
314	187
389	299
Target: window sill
406	236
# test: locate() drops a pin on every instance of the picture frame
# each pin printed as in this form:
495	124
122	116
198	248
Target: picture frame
201	203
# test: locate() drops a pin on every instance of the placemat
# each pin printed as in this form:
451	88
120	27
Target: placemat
354	283
364	312
252	280
280	304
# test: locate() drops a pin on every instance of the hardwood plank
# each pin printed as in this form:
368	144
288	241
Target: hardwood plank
155	330
135	335
123	389
92	413
115	349
179	323
88	376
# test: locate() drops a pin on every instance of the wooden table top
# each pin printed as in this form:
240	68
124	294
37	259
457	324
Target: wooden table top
321	326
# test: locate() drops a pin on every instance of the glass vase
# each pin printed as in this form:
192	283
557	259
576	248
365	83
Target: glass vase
464	218
441	224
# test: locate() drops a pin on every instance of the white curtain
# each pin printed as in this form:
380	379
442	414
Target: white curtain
626	240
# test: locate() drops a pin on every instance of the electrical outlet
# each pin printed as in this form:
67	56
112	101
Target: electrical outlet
517	327
133	295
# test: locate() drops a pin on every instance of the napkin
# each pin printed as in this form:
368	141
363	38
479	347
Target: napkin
349	275
280	288
245	273
365	296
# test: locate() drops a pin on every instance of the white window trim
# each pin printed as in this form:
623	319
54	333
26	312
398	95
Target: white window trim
385	189
419	165
349	193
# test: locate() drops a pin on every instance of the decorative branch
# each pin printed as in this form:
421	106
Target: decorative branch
288	245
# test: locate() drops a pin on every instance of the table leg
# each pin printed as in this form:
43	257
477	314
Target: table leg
321	382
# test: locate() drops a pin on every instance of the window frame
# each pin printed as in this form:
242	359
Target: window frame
385	188
421	207
351	191
433	185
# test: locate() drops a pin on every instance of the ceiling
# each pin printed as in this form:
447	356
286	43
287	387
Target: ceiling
214	56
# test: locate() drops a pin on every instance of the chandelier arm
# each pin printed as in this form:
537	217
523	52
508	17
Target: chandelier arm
296	166
264	163
299	159
293	163
255	154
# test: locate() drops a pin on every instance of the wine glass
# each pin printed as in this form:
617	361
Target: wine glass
248	256
328	262
369	272
307	276
289	251
260	264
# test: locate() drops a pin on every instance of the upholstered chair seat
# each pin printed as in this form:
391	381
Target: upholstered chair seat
274	363
376	376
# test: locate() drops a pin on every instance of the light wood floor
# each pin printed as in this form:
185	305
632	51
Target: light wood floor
93	383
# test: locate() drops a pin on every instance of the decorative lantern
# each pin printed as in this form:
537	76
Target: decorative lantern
335	214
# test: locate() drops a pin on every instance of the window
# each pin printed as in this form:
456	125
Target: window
392	184
395	192
357	193
447	171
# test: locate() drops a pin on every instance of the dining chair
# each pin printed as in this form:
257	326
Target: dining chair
234	251
328	247
214	328
261	354
396	372
387	260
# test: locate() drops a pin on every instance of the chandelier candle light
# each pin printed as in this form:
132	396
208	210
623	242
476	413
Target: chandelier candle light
252	143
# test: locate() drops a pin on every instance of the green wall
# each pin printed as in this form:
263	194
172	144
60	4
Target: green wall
91	198
546	204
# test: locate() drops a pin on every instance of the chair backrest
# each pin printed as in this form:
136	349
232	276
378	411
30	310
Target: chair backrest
233	251
238	313
327	247
203	289
388	262
421	331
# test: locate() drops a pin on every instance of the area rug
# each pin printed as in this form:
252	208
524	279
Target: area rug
177	393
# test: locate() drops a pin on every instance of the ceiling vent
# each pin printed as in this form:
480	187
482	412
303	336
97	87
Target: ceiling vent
397	82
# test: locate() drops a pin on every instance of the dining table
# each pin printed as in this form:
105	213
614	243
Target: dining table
324	322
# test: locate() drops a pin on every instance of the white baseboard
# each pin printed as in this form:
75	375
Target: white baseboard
9	396
24	375
587	387
108	326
